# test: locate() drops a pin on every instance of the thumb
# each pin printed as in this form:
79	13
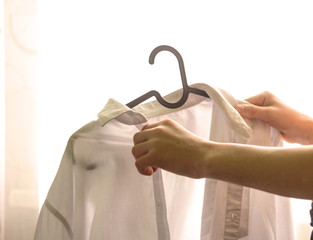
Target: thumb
250	111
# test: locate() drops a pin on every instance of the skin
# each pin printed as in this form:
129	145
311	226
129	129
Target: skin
283	171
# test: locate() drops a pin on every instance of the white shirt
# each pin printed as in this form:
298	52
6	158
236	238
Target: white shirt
98	193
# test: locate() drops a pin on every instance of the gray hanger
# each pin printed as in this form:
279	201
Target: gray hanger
156	94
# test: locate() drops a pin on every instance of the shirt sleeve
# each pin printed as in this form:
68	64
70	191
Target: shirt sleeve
56	216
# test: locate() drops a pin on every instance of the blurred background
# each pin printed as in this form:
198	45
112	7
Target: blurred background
60	61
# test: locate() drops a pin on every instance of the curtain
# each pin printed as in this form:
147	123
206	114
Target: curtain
19	198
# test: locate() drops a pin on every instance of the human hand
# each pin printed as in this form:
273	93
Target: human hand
294	126
169	146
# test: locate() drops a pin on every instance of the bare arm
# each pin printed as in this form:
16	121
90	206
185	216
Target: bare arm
167	145
283	171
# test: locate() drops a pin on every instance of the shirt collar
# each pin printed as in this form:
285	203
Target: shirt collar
139	114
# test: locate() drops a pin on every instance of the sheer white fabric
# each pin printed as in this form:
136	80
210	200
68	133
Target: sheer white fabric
98	193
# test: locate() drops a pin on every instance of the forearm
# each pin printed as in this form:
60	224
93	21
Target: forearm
305	132
283	171
167	145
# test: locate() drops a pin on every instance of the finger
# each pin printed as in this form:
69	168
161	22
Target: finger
139	150
257	100
143	168
251	111
150	125
264	99
148	131
139	137
164	122
143	135
149	171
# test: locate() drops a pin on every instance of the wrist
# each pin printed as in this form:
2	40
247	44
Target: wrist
299	129
308	131
216	154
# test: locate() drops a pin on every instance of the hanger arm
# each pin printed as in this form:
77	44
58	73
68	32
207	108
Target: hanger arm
143	98
158	96
186	88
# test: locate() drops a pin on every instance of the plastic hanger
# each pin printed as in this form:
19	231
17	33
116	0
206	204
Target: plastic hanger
186	89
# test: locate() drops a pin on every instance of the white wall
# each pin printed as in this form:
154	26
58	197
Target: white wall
2	120
19	190
94	50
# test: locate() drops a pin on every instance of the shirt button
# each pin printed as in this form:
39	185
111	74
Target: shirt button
234	217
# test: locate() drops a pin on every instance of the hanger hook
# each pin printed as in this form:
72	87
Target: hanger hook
186	88
178	56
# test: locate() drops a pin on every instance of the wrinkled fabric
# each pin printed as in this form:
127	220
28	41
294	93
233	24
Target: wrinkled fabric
98	193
